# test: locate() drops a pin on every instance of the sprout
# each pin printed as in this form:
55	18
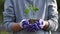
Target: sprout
27	10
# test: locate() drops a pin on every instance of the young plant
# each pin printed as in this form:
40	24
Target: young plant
27	10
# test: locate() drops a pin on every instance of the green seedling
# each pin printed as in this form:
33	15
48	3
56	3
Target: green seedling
27	10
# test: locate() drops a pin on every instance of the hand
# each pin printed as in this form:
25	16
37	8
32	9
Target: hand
24	23
32	27
39	24
28	27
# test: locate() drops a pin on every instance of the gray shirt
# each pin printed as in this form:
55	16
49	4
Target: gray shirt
14	12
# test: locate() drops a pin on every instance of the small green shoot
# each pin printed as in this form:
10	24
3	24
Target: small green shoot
27	10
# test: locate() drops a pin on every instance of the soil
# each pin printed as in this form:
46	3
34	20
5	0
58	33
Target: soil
32	21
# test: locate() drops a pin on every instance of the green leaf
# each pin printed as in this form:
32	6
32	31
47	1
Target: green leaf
30	6
27	10
35	9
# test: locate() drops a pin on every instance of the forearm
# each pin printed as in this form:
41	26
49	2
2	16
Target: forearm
51	25
16	27
12	27
53	15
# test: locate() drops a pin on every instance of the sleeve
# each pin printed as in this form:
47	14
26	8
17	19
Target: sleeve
52	15
8	15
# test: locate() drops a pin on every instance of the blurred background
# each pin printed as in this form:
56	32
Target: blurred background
1	18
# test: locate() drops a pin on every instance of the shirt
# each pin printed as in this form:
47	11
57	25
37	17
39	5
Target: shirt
14	12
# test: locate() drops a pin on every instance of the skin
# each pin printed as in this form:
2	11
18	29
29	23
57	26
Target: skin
16	26
46	25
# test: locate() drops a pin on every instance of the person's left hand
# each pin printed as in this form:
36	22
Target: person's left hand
40	23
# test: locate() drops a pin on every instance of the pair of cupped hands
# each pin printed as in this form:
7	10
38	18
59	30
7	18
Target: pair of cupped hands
27	26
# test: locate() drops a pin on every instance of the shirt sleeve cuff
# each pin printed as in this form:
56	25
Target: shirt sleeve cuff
52	26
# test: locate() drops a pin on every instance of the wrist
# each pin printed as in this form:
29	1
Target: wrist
46	25
21	24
